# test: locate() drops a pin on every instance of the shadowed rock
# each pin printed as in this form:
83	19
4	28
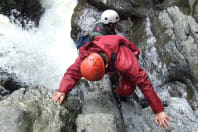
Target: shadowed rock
24	11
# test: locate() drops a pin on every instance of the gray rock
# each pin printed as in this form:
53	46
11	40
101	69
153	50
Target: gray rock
84	18
128	7
184	35
183	117
99	101
3	92
98	122
32	110
176	44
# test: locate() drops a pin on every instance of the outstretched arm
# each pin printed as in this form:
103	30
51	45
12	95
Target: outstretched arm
68	81
128	66
147	89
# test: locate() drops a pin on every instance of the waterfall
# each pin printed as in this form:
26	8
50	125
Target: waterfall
41	55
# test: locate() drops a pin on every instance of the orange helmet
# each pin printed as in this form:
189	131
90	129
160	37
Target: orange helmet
92	67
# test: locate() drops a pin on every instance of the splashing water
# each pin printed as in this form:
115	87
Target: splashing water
39	56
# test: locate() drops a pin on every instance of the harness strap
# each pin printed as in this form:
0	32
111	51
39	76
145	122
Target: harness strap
113	59
93	34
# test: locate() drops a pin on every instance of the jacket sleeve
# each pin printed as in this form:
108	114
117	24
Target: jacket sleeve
71	77
128	66
147	89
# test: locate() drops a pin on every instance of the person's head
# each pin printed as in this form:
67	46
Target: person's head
93	66
110	17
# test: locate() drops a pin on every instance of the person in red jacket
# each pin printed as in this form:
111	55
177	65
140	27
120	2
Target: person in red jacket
126	64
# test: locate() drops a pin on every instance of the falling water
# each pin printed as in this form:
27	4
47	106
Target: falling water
39	56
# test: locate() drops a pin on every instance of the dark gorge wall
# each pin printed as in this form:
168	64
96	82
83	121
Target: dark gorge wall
23	11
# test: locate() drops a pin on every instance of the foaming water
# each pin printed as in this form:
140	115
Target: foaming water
41	55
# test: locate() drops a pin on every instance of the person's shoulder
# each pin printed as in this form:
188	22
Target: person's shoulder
109	37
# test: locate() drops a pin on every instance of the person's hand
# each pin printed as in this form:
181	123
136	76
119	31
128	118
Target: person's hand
57	96
162	120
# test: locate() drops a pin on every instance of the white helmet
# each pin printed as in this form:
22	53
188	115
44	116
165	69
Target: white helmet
109	16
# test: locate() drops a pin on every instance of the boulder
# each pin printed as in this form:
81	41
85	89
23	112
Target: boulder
31	110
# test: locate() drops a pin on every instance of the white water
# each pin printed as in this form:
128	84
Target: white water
40	56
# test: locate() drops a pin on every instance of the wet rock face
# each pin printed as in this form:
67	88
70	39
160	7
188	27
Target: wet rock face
84	18
177	46
23	11
124	7
182	31
87	13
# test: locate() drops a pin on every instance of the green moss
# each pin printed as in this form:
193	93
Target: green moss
25	122
73	116
70	122
167	60
138	36
12	4
190	91
185	8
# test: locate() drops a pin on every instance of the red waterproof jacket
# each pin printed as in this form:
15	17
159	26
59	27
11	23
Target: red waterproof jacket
126	64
